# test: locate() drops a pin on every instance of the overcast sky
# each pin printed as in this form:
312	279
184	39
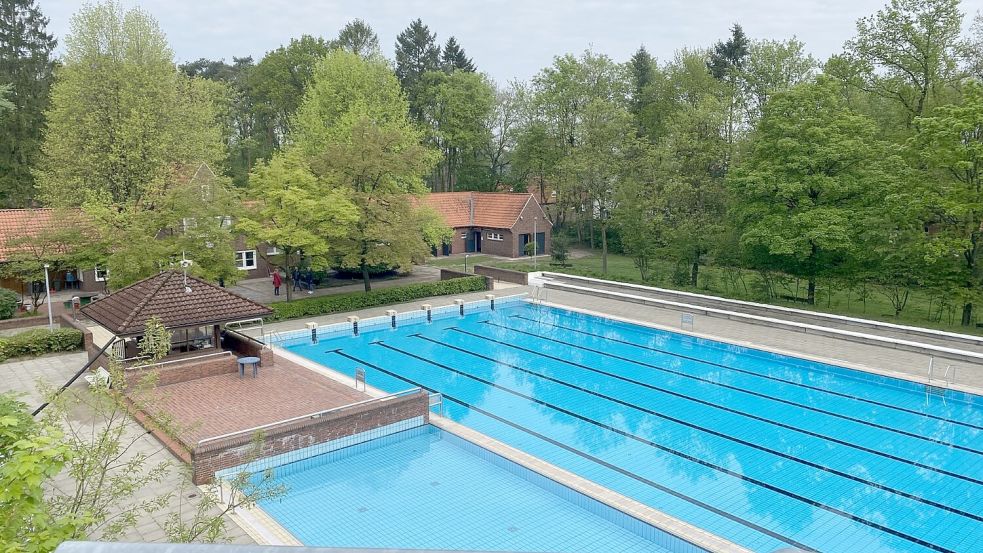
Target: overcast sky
506	38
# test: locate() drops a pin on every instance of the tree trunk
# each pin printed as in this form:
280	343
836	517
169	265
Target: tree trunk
811	295
365	277
604	248
967	314
694	274
590	230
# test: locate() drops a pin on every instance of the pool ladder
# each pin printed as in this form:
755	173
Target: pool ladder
938	385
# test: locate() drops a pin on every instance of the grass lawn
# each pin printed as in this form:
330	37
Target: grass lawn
922	308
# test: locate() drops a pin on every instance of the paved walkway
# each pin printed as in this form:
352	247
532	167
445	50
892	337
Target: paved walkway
55	370
832	349
261	289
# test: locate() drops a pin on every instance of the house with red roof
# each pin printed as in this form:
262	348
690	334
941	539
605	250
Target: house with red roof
493	223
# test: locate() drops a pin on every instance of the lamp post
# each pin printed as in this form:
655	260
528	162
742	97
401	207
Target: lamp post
47	292
535	243
466	262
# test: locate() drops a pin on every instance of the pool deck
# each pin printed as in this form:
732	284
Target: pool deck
226	403
868	357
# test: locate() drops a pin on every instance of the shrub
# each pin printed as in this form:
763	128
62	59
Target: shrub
40	341
8	303
361	300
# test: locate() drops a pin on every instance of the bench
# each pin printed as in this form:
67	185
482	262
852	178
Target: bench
100	377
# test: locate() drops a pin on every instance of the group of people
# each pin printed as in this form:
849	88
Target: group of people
302	279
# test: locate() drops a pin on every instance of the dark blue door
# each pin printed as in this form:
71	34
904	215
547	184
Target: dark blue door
540	243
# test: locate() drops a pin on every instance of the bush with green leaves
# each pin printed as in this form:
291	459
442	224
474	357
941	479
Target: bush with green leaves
40	341
8	303
361	300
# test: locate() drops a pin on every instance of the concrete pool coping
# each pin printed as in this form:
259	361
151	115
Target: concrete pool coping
770	349
682	530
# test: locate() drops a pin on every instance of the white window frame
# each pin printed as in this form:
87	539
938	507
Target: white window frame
496	236
464	236
103	278
224	221
242	265
273	250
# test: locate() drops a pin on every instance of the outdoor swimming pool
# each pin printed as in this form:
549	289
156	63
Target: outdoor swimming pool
416	489
765	450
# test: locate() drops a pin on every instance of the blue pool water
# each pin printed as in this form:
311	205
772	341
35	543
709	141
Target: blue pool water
424	489
765	450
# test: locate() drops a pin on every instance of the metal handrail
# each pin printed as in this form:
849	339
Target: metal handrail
316	415
181	360
74	377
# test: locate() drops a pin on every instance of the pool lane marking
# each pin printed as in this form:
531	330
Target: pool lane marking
736	388
724	408
589	457
667	449
697	427
760	375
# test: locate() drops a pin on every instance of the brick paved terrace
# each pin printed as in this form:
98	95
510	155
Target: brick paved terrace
225	403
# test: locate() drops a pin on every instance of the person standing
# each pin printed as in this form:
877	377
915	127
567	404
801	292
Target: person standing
277	281
309	277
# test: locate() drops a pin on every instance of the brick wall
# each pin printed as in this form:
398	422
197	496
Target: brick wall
243	346
239	450
192	369
518	277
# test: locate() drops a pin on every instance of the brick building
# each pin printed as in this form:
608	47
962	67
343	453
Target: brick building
492	222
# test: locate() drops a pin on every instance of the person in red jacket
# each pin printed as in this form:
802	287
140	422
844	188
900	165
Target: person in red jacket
277	281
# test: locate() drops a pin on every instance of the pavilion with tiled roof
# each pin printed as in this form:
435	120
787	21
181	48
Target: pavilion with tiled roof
191	308
492	222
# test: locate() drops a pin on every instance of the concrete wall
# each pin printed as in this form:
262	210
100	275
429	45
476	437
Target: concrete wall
505	275
448	274
238	450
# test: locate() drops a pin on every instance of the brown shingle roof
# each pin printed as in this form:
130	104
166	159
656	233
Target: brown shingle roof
17	224
125	311
478	209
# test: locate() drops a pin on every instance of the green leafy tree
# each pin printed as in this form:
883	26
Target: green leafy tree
26	67
353	131
277	85
417	54
297	213
907	52
950	145
814	172
453	58
458	107
358	38
123	121
642	68
773	66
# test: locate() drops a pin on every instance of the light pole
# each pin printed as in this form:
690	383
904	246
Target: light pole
466	262
47	292
535	243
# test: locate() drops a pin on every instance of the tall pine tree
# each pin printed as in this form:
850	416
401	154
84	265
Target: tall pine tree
454	58
416	54
26	67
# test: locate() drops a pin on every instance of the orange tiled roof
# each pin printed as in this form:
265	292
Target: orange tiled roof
478	209
16	224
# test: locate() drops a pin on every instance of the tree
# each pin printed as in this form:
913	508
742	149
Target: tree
727	59
642	68
417	54
277	85
296	213
123	122
453	58
908	51
353	131
5	104
773	66
358	38
950	145
26	67
458	107
814	172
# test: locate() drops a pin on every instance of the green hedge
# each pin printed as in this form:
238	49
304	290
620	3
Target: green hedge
8	303
338	303
40	341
